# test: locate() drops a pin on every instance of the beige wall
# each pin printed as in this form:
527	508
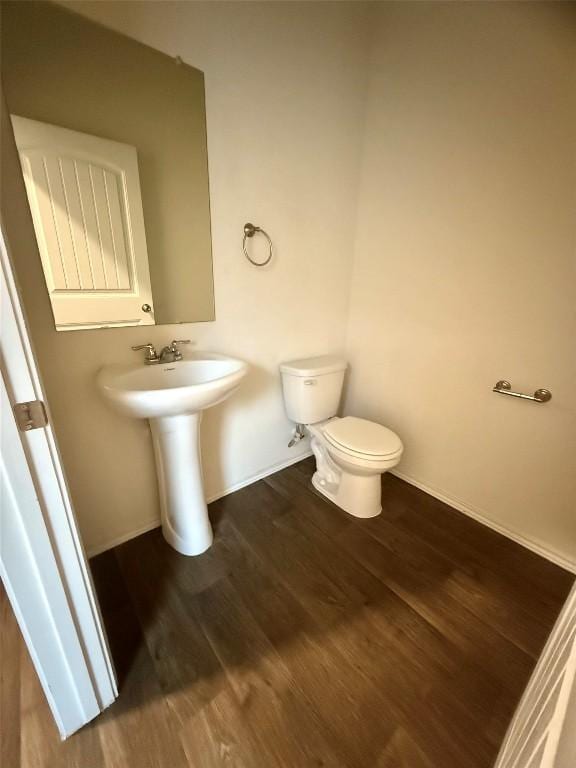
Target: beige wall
284	95
465	264
59	68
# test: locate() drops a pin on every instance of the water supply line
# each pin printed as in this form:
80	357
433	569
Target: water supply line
299	434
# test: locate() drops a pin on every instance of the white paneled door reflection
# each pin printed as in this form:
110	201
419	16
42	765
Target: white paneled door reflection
84	195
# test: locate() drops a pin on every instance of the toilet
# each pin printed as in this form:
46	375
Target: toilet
351	453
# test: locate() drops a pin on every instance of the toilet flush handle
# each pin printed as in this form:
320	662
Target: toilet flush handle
310	383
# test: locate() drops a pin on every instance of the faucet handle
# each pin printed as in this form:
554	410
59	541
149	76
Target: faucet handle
174	349
150	355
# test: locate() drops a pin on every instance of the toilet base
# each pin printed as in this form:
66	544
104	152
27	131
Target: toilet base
357	495
352	483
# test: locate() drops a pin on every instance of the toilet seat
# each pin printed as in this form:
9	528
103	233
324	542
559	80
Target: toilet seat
363	439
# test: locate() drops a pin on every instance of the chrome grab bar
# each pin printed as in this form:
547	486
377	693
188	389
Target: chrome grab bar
505	388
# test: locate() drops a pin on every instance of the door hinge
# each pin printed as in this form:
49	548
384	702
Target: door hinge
30	415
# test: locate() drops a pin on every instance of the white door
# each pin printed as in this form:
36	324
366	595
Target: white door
42	562
84	195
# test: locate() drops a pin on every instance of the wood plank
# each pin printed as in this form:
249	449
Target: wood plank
40	742
274	726
139	728
397	687
305	637
402	752
185	667
297	489
493	600
484	547
10	644
352	716
509	618
427	597
250	646
422	559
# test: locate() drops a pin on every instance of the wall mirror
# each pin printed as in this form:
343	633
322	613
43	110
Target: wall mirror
112	141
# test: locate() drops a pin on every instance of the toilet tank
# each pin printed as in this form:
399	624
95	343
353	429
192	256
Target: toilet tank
312	387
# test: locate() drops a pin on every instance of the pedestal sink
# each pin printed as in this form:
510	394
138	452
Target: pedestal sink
172	396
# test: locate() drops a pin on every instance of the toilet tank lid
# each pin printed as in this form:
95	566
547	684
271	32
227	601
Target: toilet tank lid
314	366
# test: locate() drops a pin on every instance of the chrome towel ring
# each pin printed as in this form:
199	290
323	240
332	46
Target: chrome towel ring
249	231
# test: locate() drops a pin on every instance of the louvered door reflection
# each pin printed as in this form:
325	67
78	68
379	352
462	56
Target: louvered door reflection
84	195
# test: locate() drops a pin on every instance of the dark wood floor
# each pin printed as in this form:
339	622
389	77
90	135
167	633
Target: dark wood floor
305	637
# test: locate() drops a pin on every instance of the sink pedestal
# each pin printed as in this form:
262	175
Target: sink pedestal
172	397
185	523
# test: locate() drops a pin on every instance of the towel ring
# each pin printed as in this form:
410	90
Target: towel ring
249	231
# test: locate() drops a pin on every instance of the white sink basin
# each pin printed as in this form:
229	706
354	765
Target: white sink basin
171	389
172	396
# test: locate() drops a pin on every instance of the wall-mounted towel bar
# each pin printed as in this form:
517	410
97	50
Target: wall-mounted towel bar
505	388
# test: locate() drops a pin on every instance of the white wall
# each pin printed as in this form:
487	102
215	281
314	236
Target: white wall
465	268
285	84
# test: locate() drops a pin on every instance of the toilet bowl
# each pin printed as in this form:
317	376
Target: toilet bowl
351	453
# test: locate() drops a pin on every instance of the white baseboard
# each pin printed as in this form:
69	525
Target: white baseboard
482	517
97	550
476	514
260	476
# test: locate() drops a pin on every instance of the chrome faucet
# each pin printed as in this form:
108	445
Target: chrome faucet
151	355
169	354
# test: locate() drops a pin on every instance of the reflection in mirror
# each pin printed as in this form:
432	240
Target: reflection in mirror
112	141
84	195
